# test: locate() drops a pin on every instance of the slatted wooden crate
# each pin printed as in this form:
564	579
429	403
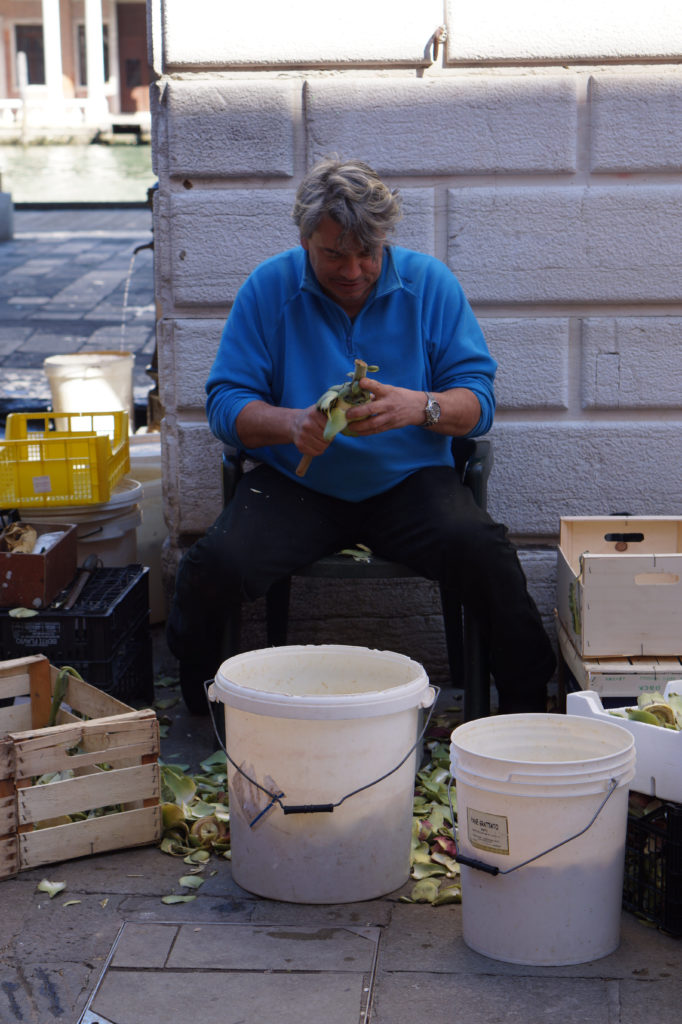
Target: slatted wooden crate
613	678
106	755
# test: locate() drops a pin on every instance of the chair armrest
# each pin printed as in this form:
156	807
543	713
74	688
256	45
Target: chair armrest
475	461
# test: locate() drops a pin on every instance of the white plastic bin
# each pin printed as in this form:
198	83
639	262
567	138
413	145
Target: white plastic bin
315	726
525	784
92	382
659	750
107	530
145	466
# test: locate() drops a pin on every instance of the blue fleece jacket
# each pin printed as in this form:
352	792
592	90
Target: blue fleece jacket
285	342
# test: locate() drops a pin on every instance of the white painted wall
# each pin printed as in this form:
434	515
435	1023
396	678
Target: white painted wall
539	156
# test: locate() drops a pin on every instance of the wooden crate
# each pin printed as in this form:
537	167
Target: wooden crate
107	754
619	585
618	677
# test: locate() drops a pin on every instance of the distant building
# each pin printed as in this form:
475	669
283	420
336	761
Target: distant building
73	68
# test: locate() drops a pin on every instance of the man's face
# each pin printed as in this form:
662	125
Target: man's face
346	274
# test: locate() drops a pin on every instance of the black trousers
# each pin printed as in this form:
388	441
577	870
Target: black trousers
429	522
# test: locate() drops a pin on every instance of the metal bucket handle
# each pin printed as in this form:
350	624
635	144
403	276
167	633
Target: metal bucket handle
276	798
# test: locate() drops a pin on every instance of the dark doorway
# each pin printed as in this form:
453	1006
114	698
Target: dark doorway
133	69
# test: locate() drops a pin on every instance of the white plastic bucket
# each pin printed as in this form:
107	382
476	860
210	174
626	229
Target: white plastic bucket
91	382
315	724
145	466
524	784
107	530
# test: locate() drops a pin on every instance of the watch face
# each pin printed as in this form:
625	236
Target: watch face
432	412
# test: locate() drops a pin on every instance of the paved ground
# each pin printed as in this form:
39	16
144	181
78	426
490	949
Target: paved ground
107	949
70	282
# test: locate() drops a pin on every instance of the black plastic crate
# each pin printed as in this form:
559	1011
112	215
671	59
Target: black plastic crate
128	674
113	600
652	886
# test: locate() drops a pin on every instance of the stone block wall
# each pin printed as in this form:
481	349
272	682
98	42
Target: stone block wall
538	155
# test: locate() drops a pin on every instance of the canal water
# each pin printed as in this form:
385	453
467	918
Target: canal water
76	173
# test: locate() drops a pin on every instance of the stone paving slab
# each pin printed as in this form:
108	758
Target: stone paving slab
444	999
42	993
643	952
239	998
239	973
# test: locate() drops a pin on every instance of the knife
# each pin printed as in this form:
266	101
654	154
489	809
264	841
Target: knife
86	570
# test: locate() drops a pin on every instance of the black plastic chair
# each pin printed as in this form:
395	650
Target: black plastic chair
466	645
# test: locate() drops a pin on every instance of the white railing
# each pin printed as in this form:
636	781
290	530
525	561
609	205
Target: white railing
34	113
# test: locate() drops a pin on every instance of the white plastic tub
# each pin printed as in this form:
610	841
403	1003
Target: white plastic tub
107	530
145	466
310	726
659	751
92	382
526	783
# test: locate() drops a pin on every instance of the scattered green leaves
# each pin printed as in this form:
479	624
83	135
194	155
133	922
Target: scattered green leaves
434	868
195	817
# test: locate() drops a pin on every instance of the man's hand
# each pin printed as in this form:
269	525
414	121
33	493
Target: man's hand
394	407
389	409
307	431
260	423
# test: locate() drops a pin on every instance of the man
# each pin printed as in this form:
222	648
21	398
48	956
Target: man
297	325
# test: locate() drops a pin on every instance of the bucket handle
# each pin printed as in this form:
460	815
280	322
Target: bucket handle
276	798
492	869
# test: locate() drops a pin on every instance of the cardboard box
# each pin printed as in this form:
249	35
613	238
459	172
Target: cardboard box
33	580
107	793
619	585
618	678
658	751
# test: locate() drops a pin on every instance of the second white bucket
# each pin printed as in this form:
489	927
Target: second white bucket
91	382
107	530
526	784
307	729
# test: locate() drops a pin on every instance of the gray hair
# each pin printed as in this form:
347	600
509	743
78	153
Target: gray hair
353	195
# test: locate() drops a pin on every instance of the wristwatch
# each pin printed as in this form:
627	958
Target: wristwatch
431	410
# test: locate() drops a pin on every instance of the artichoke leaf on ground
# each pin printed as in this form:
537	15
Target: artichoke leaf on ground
425	891
448	894
191	881
51	888
427	870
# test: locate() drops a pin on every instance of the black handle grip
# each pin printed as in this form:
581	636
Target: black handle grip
307	808
471	863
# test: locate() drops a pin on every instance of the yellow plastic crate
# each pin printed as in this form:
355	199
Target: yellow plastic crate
52	460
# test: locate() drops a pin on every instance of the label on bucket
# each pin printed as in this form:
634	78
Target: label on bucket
488	831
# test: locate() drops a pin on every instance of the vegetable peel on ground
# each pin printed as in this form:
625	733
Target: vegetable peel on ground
51	888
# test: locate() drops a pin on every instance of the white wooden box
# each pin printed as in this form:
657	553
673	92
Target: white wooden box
623	678
619	585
